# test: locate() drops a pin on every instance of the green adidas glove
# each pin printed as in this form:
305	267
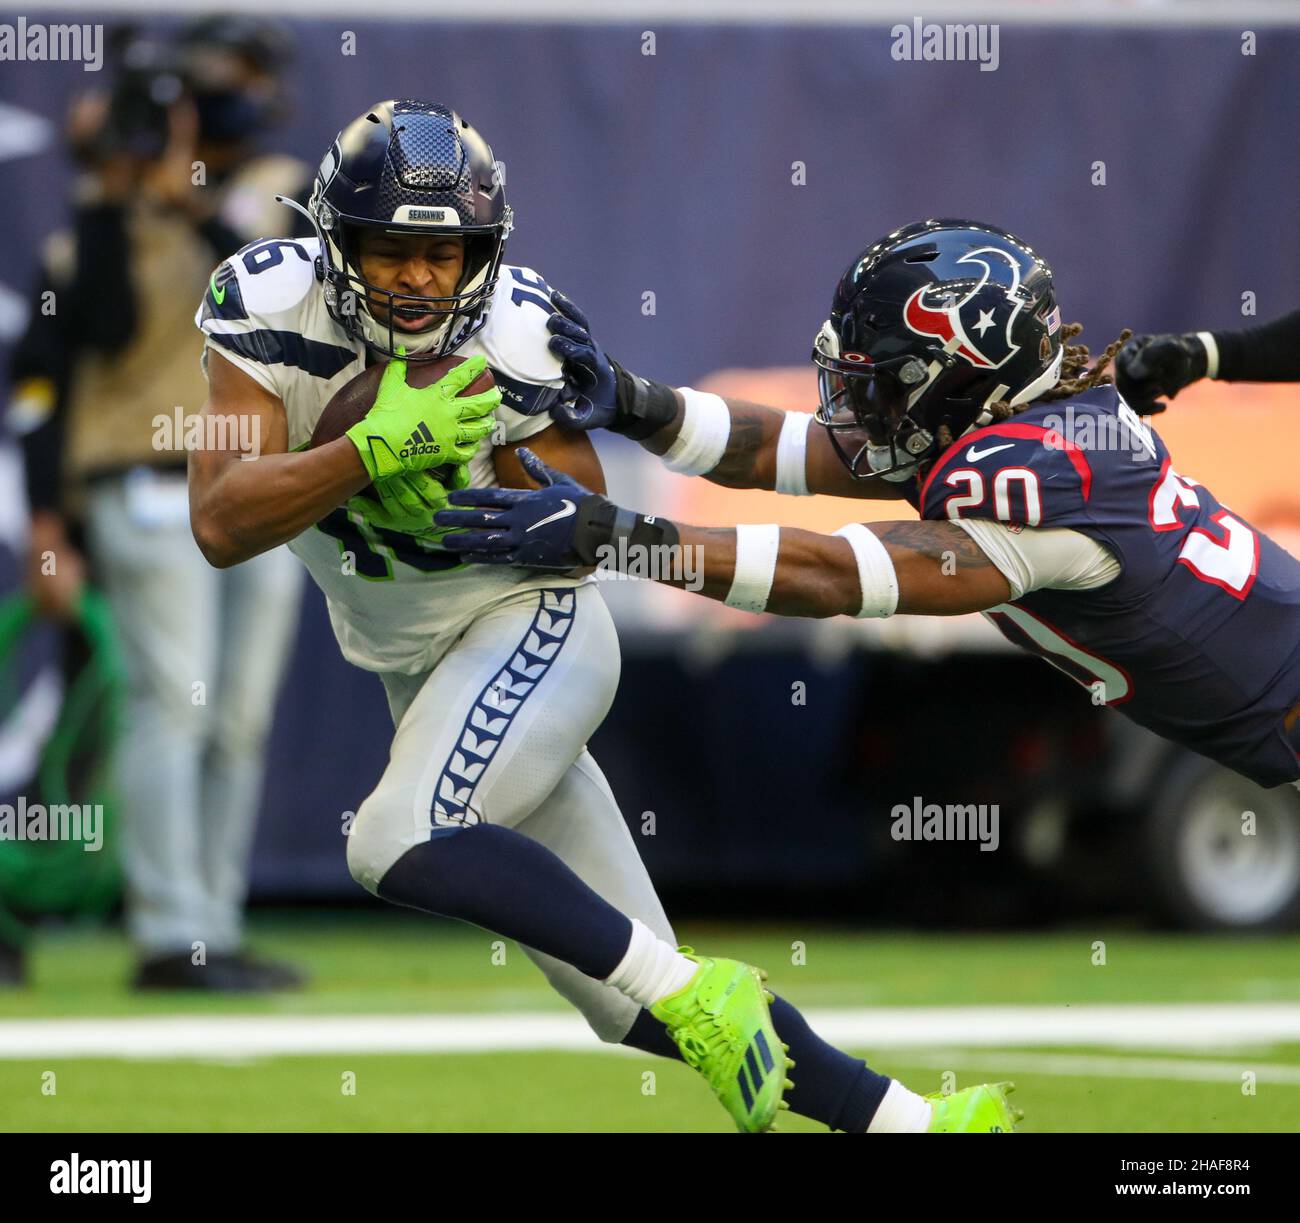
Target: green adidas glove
408	501
410	429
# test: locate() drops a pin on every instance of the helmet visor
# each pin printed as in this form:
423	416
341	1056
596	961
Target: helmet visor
861	402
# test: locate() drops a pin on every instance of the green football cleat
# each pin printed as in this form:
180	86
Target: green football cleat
721	1023
975	1110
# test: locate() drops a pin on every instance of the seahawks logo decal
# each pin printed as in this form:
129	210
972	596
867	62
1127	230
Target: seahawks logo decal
980	322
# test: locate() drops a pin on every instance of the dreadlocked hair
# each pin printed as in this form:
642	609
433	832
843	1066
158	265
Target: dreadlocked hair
1076	376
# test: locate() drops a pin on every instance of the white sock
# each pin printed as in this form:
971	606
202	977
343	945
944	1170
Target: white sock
900	1112
650	968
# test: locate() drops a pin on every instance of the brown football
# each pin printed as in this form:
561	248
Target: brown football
356	397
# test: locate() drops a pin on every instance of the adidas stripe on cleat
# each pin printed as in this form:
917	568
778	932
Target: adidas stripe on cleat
721	1024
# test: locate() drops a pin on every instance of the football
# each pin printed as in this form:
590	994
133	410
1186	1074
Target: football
356	397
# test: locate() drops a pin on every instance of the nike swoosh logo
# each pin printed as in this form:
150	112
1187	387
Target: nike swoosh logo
569	508
218	297
974	456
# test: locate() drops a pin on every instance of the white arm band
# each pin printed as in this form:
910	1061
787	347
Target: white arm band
756	551
875	571
792	455
706	428
1211	353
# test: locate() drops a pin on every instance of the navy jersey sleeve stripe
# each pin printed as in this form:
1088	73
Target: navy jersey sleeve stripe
287	348
526	398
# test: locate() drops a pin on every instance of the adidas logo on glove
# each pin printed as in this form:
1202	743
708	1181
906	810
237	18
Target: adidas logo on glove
420	442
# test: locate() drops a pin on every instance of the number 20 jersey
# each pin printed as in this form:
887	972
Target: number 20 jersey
395	602
1198	638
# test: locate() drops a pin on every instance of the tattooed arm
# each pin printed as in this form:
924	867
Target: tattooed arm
605	395
750	458
941	571
923	568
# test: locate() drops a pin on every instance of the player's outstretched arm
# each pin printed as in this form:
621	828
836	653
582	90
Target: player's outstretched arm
923	568
873	570
240	507
1150	366
728	441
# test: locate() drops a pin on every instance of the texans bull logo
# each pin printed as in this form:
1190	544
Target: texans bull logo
980	321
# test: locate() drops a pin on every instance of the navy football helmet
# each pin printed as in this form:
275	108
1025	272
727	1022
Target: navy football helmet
931	326
410	167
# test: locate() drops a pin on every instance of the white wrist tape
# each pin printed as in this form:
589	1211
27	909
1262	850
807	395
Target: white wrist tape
792	455
1211	353
706	428
756	550
875	571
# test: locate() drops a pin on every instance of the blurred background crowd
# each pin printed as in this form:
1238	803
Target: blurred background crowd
696	186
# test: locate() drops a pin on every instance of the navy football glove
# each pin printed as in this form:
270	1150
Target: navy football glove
599	392
551	527
589	381
1149	366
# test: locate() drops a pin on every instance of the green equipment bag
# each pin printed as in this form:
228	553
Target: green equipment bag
60	876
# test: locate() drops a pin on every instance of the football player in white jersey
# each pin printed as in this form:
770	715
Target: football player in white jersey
491	809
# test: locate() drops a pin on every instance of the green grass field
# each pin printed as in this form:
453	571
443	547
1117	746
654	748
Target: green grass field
376	964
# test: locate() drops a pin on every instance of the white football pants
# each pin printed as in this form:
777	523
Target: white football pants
497	733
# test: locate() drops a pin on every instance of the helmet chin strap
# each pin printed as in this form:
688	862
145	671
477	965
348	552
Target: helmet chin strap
414	342
933	370
1044	382
881	459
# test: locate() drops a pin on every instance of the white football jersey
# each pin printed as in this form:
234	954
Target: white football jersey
395	602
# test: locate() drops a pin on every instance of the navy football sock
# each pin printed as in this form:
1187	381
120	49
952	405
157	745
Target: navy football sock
650	1036
513	886
829	1086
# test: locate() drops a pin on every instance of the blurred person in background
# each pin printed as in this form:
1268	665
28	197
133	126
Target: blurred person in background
1149	366
171	181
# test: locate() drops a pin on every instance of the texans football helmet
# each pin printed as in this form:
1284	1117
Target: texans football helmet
409	167
931	326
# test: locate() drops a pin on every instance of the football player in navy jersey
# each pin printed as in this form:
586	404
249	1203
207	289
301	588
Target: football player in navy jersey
1044	500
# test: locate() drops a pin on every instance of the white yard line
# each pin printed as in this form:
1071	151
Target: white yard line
1226	1026
1121	1026
1085	1065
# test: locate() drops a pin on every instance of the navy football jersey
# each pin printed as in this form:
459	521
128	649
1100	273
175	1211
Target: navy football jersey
1198	638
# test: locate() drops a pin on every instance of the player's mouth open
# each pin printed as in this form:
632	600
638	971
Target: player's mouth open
413	318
